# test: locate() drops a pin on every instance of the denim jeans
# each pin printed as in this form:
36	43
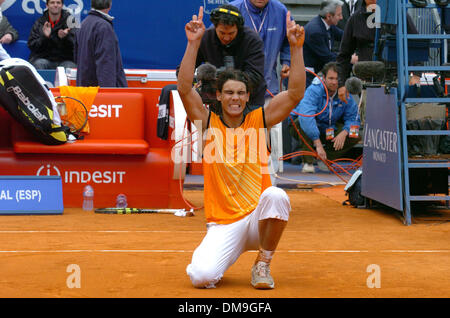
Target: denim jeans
44	64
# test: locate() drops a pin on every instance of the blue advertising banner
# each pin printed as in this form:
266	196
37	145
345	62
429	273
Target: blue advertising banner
381	178
151	33
31	195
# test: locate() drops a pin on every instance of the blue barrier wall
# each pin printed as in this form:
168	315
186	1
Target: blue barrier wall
151	33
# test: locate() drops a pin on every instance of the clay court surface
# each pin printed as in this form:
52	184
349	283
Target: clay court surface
326	251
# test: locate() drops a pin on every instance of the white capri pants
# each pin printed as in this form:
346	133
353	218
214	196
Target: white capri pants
223	244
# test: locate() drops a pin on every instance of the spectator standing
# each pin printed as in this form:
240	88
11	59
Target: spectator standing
321	32
51	41
348	9
359	39
268	19
97	49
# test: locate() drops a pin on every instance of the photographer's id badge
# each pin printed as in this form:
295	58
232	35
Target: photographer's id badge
354	131
329	133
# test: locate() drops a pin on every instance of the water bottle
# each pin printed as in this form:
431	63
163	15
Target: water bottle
88	198
121	201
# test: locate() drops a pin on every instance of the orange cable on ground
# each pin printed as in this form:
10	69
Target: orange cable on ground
314	152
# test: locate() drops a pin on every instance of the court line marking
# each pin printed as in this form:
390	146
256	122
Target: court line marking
111	231
96	231
326	251
373	251
191	251
417	251
95	251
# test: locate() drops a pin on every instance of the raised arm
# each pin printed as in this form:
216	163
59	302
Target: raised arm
283	103
192	101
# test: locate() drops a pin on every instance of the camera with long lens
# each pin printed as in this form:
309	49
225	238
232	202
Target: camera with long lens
228	64
207	76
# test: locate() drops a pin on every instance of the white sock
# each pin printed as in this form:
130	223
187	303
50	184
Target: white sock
265	256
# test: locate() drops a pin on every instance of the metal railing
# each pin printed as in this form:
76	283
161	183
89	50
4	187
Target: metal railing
428	21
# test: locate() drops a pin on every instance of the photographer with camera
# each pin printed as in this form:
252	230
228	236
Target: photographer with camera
228	44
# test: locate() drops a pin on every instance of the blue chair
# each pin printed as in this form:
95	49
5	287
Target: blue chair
49	76
18	49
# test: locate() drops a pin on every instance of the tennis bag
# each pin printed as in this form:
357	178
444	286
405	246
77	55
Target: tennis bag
353	190
25	96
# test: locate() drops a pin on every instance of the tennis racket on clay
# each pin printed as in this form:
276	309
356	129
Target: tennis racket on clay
176	212
77	119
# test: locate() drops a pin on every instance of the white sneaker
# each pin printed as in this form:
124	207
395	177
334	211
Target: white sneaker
261	278
308	168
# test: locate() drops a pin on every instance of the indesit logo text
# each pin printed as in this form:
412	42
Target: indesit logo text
71	176
105	111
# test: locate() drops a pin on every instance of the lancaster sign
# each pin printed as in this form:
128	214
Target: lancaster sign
381	179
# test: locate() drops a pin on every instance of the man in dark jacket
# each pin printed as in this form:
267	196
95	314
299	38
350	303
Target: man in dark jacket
348	9
268	19
51	40
229	41
320	34
97	51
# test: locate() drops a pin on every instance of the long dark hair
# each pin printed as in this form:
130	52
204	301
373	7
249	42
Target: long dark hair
235	75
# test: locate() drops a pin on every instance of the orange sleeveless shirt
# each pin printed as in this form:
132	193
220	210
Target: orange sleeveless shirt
234	167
